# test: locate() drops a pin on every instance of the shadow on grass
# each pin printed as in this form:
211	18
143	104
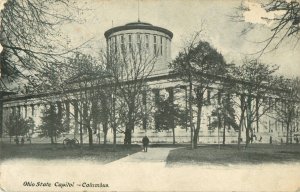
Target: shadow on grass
229	154
102	153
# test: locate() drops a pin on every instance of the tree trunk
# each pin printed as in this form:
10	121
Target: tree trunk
129	126
197	130
52	140
191	110
105	133
115	137
249	118
224	134
173	130
247	136
240	131
257	114
287	132
90	132
241	121
80	130
127	140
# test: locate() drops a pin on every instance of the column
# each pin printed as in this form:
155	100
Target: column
25	111
59	109
171	102
145	109
156	99
75	104
186	106
19	111
84	115
32	110
67	104
1	117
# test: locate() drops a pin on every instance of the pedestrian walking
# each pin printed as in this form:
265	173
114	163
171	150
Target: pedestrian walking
22	140
17	140
145	142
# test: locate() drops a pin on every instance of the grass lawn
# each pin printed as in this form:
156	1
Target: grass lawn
228	154
101	153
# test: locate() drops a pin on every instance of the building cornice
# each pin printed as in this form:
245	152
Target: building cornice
137	25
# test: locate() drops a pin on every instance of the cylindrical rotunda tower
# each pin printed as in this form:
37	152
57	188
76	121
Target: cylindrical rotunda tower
155	41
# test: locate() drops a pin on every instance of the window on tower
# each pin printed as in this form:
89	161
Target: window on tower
161	45
110	44
130	41
115	44
138	40
154	45
147	41
208	96
165	47
122	43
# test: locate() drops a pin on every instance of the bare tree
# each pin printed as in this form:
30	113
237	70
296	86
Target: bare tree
129	67
287	110
283	22
224	112
254	81
31	37
84	87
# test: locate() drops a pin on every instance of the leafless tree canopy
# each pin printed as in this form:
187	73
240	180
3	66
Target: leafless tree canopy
30	36
283	25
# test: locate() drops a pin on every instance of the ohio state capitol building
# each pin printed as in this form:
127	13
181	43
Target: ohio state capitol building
156	41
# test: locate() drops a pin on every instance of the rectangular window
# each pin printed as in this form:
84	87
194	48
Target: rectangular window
110	42
219	97
154	45
270	104
138	40
115	43
276	103
166	44
32	110
208	96
122	43
147	41
161	45
130	41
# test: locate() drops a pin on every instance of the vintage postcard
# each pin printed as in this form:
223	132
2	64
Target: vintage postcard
149	95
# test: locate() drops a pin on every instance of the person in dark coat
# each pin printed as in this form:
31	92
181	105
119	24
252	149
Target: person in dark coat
145	143
22	140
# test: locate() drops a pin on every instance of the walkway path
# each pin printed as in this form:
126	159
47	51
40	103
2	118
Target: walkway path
154	155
